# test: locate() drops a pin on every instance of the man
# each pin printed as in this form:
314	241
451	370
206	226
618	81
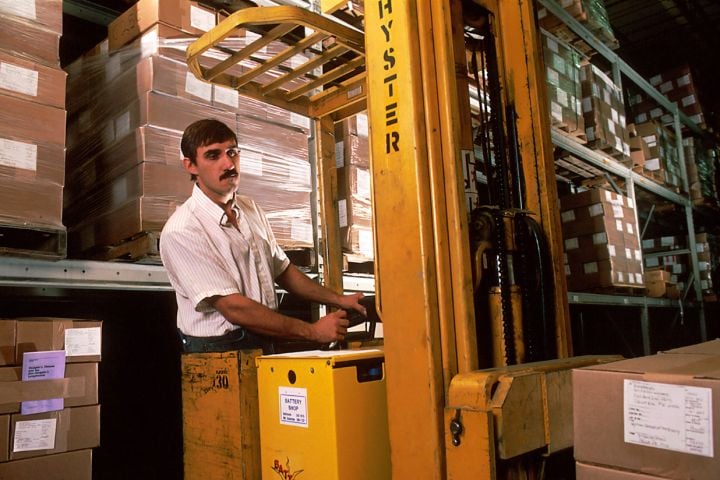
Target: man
223	261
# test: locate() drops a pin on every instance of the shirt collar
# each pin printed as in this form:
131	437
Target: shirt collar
210	207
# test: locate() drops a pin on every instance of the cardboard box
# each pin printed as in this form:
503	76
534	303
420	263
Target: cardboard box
81	339
30	202
78	388
63	466
653	415
34	41
584	471
7	342
75	429
22	78
47	13
185	15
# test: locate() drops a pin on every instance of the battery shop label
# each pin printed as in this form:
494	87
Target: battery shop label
293	406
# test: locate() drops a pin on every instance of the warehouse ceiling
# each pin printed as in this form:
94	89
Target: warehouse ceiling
654	35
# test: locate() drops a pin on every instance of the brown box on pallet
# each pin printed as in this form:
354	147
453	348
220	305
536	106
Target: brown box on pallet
30	202
185	15
7	341
32	40
562	69
78	388
75	465
653	415
28	80
600	274
74	429
81	339
659	285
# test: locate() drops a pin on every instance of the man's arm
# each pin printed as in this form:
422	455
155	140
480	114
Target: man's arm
297	283
256	317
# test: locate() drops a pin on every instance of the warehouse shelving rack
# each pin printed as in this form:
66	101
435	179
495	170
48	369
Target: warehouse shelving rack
633	180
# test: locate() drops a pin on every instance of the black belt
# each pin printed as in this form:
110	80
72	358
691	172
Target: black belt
238	339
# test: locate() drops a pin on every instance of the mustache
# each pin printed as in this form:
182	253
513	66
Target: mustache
232	172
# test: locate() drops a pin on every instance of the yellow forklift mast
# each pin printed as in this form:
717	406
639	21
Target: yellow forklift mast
449	414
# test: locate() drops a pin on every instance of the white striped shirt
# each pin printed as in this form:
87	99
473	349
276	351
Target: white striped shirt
205	258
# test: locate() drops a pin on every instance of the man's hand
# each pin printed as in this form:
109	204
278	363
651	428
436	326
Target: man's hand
352	302
330	328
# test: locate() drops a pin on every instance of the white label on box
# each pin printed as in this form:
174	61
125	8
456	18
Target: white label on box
586	105
628	253
119	192
362	124
606	96
293	406
553	77
629	228
638	255
614	115
687	101
595	209
567	270
655	81
122	125
652	164
201	19
113	68
590	267
656	112
652	262
619	225
83	341
365	242
197	87
700	247
227	96
651	140
666	87
600	238
301	231
18	79
611	126
363	183
251	163
354	92
671	417
639	279
562	97
299	120
34	435
617	211
567	216
611	250
556	111
18	154
642	118
703	266
552	44
339	154
19	8
684	80
571	243
667	241
648	243
620	277
630	202
342	213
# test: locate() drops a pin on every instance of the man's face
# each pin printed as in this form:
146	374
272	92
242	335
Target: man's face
216	168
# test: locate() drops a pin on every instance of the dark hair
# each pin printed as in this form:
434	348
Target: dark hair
204	132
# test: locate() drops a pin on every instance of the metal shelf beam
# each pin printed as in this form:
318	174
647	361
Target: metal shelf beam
582	298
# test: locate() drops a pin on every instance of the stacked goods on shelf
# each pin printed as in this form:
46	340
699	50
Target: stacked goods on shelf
602	246
590	13
676	267
701	173
562	67
352	155
604	113
665	272
32	94
130	100
678	86
49	411
655	154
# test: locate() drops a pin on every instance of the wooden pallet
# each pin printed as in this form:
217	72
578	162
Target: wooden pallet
141	248
33	241
631	290
577	134
357	264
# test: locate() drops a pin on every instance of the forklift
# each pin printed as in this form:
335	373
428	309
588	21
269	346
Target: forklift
472	296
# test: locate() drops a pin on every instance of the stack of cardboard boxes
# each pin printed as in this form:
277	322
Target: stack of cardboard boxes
132	97
649	418
32	122
49	412
701	172
604	112
591	13
678	86
352	155
562	68
655	154
602	246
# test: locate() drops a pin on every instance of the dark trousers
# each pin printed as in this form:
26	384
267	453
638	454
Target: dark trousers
238	339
